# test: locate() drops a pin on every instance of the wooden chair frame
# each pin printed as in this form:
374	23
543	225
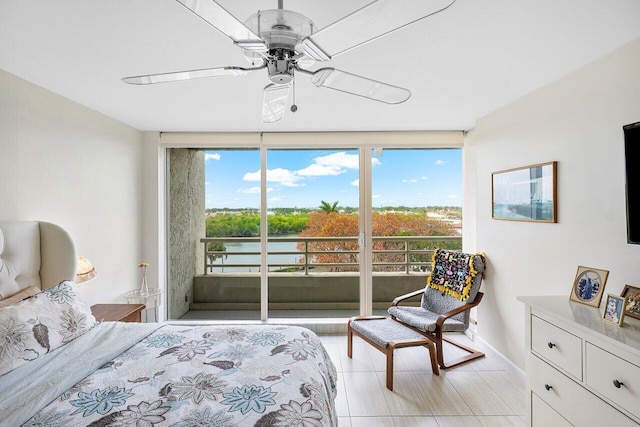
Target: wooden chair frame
390	347
437	337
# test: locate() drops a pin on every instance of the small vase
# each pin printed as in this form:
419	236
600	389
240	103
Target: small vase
144	288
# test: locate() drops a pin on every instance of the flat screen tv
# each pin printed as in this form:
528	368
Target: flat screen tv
632	163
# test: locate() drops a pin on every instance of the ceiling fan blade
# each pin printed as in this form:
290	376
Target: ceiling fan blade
372	21
188	75
218	17
274	102
358	85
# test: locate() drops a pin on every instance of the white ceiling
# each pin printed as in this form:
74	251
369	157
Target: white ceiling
461	64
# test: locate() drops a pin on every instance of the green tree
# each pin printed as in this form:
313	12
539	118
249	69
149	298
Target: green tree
327	207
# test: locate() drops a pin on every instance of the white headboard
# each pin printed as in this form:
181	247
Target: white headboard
34	253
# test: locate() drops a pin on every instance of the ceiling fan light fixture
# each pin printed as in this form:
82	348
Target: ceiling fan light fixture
274	102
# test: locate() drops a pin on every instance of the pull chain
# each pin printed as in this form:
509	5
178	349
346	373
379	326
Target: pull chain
294	107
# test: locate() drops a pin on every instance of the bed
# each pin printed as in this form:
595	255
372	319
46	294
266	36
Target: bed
60	367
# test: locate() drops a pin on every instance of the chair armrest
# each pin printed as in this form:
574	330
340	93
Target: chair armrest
415	293
461	309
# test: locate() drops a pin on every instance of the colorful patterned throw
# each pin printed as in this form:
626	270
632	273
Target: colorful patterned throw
453	273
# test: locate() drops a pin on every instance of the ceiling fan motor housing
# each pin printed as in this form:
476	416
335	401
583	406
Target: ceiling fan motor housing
280	67
283	31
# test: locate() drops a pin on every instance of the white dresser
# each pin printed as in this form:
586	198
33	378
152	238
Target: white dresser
581	371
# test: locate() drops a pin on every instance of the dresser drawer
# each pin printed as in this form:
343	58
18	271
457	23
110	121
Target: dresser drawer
557	346
577	404
543	415
603	368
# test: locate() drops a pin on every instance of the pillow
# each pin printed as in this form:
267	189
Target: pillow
40	324
23	294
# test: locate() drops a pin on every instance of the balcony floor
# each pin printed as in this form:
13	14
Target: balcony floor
322	322
273	314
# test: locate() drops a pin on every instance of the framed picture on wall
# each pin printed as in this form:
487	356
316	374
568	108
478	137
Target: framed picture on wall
632	295
614	309
588	286
525	194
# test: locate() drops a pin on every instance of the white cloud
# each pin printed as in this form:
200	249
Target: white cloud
282	176
355	183
320	170
409	181
253	190
375	196
424	177
333	164
440	162
211	156
275	199
452	196
340	160
329	165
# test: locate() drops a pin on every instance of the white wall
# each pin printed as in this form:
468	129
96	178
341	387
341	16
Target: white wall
576	121
64	163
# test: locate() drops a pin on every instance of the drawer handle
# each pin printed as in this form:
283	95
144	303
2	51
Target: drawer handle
547	387
617	383
551	345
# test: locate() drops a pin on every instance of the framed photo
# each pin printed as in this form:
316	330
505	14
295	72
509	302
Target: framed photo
614	309
525	194
588	286
632	295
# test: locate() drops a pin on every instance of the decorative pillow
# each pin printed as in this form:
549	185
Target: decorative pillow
23	294
453	273
40	324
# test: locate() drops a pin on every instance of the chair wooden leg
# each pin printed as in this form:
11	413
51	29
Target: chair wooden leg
473	354
349	340
389	353
432	355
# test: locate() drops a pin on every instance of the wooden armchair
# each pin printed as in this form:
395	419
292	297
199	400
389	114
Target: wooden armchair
451	291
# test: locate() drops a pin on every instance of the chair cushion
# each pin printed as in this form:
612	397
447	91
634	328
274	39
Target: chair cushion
384	331
425	320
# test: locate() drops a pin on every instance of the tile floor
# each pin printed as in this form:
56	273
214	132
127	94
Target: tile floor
485	392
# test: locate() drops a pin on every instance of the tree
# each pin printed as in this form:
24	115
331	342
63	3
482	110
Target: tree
323	224
326	207
216	247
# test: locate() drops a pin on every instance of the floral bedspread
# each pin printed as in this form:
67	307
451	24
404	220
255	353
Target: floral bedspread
180	376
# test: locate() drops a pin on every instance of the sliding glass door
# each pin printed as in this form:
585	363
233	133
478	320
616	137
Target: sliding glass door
305	225
312	206
416	207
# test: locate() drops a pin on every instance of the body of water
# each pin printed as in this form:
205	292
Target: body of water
254	247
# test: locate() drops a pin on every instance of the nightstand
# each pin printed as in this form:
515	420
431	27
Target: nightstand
117	312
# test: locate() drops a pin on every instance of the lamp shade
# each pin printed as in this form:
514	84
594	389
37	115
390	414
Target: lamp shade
85	271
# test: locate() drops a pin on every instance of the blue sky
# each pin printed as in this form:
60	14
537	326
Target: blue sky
303	178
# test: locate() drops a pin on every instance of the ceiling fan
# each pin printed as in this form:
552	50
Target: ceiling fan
285	42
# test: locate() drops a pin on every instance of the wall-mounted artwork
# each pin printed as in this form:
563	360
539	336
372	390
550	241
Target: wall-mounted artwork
525	194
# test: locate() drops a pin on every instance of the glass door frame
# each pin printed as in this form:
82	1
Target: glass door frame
364	142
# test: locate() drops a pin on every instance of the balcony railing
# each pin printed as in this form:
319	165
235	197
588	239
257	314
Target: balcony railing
398	254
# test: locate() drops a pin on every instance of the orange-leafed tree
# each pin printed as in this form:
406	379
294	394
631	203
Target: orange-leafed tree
323	224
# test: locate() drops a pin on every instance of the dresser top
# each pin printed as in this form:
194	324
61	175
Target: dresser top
587	319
